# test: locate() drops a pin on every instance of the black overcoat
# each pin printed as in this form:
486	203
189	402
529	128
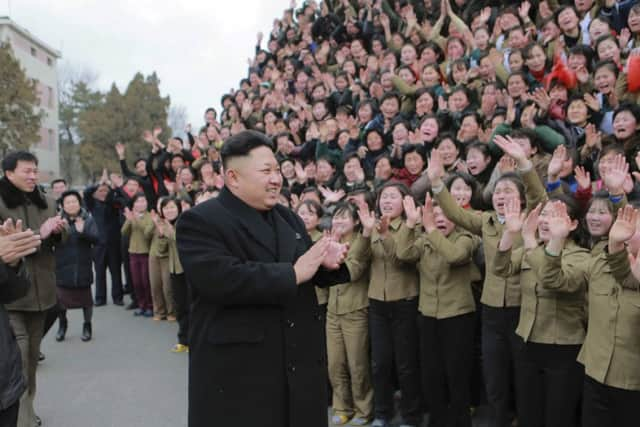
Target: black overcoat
257	354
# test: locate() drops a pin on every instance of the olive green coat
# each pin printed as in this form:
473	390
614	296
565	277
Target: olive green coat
444	265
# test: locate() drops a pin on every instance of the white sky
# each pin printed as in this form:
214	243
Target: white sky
199	48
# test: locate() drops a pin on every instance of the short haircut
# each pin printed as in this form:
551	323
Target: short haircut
10	162
241	144
57	180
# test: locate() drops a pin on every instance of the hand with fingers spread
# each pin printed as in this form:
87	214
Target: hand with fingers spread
583	178
513	149
623	228
560	225
367	219
428	216
513	216
593	137
615	176
435	169
530	226
412	212
15	243
555	164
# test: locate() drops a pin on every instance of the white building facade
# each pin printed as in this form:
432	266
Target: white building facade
39	63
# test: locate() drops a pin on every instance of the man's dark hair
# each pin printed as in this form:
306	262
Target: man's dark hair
138	160
57	180
10	162
241	144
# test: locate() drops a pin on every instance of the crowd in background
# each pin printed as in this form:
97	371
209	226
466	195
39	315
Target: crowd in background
482	159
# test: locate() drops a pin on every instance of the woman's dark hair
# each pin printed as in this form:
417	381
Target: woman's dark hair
351	210
479	146
135	198
404	191
428	91
580	235
609	65
414	148
447	136
515	179
435	47
586	51
476	195
73	193
631	107
164	201
604	38
313	206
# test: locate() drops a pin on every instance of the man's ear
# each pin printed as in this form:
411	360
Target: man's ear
231	178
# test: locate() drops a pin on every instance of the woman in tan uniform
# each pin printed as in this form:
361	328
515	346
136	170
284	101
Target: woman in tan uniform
552	322
393	308
611	350
443	254
348	330
500	296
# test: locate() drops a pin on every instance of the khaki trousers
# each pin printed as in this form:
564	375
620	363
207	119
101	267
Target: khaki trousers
28	327
161	292
349	366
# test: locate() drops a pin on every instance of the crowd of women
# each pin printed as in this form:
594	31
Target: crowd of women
482	160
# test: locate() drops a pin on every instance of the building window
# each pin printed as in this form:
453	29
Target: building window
33	51
50	97
49	62
50	141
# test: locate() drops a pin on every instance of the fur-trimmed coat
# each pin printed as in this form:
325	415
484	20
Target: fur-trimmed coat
33	209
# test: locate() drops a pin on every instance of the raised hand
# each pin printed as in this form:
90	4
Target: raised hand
593	137
616	175
523	10
411	211
367	219
624	227
560	224
634	263
511	148
435	169
592	102
120	150
530	226
513	216
428	217
556	162
583	178
506	164
128	214
147	136
542	99
335	252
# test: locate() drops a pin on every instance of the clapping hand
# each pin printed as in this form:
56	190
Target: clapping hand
428	216
435	169
513	149
367	219
560	225
513	216
53	225
530	226
556	163
412	212
16	243
583	178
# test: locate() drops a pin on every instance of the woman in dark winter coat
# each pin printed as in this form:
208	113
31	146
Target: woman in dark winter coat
74	273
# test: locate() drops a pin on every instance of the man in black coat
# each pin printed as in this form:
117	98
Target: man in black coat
256	347
14	244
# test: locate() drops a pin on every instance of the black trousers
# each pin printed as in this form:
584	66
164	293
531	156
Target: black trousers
108	256
124	254
605	406
549	384
394	337
501	348
446	355
9	416
182	299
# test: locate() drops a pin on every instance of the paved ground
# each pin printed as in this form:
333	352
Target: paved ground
126	376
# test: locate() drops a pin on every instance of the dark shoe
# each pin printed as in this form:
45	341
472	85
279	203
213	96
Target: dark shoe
38	421
41	357
100	303
62	329
148	313
138	312
132	306
86	332
118	302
